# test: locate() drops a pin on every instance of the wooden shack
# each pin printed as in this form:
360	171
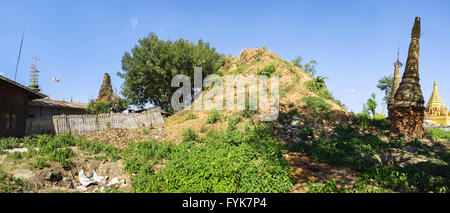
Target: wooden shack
41	108
14	99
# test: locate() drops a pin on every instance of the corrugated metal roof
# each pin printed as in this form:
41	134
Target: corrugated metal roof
34	93
57	104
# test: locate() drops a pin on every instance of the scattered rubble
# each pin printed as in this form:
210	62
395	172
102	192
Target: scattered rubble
120	138
87	180
98	181
396	157
23	173
432	124
17	150
53	176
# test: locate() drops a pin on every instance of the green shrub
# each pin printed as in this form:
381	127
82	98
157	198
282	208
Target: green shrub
247	113
328	187
96	147
190	116
307	133
213	117
41	163
380	116
203	130
10	184
285	89
332	187
364	121
9	143
317	105
240	69
317	85
100	107
16	155
269	69
189	135
62	156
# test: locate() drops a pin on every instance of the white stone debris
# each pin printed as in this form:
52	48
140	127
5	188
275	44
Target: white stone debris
17	150
94	179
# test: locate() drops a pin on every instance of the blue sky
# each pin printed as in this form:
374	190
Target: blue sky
354	42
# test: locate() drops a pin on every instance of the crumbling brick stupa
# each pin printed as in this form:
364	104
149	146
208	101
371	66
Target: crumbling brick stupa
106	91
408	108
397	79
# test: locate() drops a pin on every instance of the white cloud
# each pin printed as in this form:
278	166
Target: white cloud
2	73
350	91
134	22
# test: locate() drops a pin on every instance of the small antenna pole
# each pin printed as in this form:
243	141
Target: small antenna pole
20	52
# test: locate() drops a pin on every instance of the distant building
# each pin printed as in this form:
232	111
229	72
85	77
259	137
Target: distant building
436	110
14	99
41	108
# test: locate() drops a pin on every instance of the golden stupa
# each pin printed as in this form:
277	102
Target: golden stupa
436	110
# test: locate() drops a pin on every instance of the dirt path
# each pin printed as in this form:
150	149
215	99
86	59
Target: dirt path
2	158
305	169
445	143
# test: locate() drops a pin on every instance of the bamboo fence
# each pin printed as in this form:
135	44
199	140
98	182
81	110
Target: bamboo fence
86	124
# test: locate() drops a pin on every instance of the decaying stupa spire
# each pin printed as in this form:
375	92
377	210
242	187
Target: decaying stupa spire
106	91
395	85
408	108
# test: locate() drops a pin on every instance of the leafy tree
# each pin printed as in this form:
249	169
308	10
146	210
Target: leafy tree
308	67
100	107
118	104
114	104
370	106
385	84
150	66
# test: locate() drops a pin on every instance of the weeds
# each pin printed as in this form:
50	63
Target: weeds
189	135
317	85
286	89
269	69
10	184
226	161
318	108
436	134
9	143
213	117
43	149
190	116
350	148
40	163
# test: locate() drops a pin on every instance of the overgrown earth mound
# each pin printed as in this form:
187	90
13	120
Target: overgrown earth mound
298	91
